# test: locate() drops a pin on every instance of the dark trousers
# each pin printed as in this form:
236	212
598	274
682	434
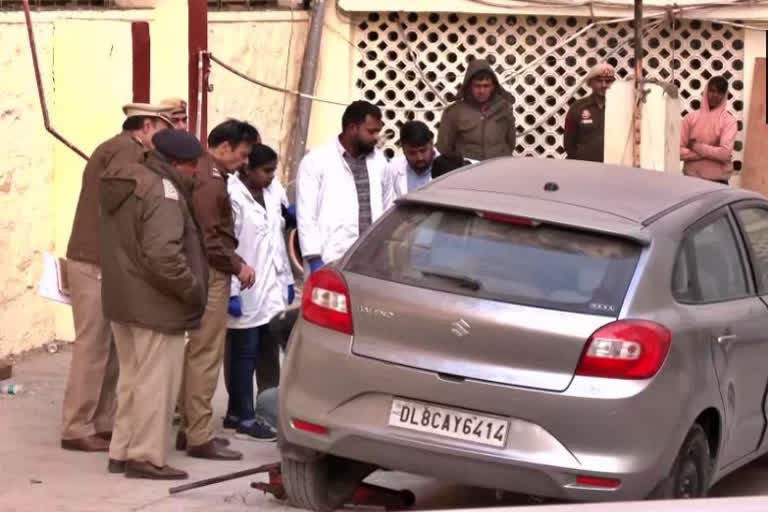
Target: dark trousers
249	351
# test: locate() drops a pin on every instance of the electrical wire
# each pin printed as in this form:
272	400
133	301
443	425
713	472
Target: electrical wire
509	75
569	94
284	90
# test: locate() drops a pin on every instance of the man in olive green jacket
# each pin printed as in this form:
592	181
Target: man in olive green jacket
154	289
88	408
481	124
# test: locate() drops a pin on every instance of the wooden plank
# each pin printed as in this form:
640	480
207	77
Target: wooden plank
754	175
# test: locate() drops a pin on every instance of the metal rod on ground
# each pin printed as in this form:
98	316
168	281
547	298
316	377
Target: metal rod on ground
638	82
222	478
306	86
40	90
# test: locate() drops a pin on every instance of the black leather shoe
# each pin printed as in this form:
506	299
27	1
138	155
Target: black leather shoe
213	451
135	469
181	441
86	444
116	466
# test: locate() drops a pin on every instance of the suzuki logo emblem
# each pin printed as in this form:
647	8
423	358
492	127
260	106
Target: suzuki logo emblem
460	328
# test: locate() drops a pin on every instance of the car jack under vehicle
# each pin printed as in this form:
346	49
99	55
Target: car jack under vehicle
362	494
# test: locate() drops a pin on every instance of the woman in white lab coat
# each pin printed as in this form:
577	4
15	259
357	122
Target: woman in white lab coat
258	203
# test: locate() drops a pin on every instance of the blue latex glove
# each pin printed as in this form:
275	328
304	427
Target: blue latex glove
291	294
315	264
235	307
289	214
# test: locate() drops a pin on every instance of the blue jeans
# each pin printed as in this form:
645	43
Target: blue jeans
243	353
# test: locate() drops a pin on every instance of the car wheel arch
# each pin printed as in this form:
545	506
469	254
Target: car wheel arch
712	423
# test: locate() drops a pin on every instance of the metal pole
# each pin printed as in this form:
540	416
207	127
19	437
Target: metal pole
198	67
638	82
306	86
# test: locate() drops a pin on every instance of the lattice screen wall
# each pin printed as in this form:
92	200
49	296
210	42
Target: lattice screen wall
444	43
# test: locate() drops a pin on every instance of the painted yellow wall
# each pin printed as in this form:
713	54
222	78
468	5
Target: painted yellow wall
265	45
26	177
335	77
87	54
86	110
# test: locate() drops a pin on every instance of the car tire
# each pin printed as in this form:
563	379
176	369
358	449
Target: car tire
691	471
322	484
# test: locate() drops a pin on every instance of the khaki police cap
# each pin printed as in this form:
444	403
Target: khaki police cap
602	70
178	107
148	110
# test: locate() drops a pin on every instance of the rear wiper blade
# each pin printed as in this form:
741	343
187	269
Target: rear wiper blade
462	280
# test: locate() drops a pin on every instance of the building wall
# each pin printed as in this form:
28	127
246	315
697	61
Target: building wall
26	177
85	59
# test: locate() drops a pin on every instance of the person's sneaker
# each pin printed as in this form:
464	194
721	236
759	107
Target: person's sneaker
256	430
231	422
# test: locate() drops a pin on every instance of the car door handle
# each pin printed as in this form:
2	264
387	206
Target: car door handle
725	338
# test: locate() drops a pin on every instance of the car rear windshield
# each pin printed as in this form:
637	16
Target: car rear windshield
461	252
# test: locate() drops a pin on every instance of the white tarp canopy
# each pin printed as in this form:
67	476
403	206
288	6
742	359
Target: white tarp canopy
696	9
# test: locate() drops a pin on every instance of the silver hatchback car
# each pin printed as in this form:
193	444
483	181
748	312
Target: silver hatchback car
556	328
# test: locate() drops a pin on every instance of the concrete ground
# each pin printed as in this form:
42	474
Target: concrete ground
38	475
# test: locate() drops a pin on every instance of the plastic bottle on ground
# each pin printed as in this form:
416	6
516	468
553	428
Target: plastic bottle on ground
11	389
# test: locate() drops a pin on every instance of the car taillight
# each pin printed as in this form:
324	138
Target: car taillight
626	349
325	301
508	219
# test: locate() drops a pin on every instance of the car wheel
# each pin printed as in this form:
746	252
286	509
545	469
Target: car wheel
323	484
691	471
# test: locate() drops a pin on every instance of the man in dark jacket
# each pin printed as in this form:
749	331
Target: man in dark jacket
584	133
229	144
481	124
154	290
88	411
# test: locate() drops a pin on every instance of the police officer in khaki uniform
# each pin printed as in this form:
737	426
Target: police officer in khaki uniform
154	290
585	122
228	147
89	399
178	112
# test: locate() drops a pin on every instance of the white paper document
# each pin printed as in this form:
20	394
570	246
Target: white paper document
52	283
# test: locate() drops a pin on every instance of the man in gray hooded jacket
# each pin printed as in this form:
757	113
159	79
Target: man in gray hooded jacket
481	124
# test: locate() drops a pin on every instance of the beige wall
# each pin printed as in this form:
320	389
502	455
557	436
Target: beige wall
26	176
268	46
85	59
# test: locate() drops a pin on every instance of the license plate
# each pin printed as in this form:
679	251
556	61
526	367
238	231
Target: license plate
440	421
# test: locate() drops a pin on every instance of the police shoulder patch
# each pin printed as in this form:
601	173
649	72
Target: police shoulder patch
169	190
216	173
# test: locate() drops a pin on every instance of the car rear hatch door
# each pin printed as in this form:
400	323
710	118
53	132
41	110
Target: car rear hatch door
487	297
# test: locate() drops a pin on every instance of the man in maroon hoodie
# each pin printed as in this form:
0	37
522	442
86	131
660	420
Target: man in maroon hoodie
707	136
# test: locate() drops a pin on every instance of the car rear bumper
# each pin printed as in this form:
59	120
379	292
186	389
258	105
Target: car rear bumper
590	430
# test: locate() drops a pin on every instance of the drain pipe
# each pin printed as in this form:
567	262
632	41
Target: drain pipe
306	86
40	90
639	100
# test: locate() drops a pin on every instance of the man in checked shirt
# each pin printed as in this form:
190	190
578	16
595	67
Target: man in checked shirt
228	147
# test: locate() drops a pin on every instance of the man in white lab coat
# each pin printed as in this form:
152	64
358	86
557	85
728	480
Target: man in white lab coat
340	187
411	170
